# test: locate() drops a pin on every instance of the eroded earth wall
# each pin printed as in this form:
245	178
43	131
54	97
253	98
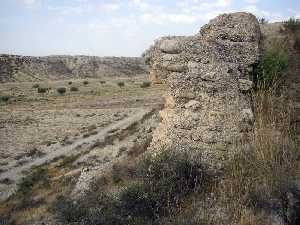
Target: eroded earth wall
207	107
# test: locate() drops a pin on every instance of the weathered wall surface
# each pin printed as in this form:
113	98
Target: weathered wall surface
207	75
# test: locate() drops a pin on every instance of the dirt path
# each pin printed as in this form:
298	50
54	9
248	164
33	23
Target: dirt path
81	145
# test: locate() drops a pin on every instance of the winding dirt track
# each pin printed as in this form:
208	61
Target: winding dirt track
15	174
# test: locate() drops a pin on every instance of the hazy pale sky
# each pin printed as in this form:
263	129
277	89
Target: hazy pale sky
115	27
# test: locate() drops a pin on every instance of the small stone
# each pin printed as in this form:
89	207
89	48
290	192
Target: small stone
192	104
245	85
170	46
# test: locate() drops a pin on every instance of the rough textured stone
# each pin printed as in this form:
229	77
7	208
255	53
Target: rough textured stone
206	77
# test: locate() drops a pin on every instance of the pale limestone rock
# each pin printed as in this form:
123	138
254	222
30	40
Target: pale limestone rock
170	46
206	77
245	85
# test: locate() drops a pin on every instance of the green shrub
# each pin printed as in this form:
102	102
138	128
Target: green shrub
85	82
35	86
273	64
39	176
95	208
146	84
292	24
68	160
102	82
61	90
297	40
68	211
161	183
5	98
74	89
263	20
70	82
42	89
170	175
121	84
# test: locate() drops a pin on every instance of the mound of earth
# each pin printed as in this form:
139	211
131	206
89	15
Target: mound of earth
27	68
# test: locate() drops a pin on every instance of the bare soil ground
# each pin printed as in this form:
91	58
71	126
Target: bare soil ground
36	128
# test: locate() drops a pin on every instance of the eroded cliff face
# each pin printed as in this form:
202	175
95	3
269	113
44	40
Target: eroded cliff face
207	107
27	68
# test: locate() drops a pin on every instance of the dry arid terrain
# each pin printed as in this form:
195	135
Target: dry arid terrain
212	139
95	124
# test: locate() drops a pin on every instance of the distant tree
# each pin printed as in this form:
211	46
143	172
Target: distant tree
121	84
74	89
61	90
263	20
146	84
42	89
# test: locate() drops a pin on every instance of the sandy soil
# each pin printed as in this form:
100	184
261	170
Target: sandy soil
35	127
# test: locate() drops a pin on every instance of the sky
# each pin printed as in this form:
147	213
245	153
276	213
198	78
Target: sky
115	27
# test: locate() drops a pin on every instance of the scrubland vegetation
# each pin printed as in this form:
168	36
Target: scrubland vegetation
173	188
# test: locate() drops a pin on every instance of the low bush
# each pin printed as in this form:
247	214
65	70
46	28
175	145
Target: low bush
38	176
35	86
68	160
85	82
96	208
260	177
67	211
42	89
263	20
146	84
121	84
5	98
102	81
292	24
273	65
70	83
74	89
61	90
161	183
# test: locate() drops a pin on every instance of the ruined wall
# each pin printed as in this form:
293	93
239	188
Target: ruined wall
207	107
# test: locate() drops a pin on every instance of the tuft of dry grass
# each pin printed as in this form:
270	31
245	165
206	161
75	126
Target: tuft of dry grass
257	180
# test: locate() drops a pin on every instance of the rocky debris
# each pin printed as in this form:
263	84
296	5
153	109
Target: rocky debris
27	68
208	77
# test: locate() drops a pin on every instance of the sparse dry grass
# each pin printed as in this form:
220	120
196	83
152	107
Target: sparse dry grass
257	180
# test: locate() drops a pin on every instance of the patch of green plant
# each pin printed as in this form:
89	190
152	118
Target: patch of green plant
85	82
61	90
95	208
263	20
161	183
36	86
38	176
273	65
146	84
42	89
74	89
68	160
102	81
70	83
5	98
170	176
121	84
292	24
